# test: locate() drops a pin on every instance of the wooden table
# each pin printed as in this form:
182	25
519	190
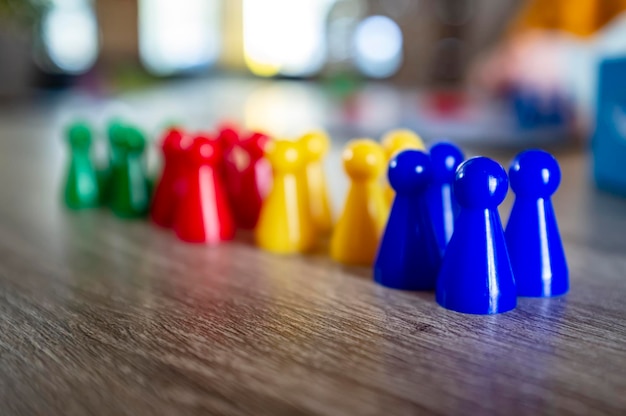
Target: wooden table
110	317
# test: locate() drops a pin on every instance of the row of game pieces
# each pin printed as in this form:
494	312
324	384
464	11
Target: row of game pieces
242	163
125	186
210	185
482	269
122	185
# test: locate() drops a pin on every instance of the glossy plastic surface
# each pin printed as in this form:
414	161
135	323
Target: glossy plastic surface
532	233
476	275
357	233
170	186
285	225
247	174
128	188
409	257
317	145
82	189
115	138
444	209
395	141
203	214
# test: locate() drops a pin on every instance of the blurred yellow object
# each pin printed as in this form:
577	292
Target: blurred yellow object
232	55
358	231
285	225
317	145
393	142
261	69
579	17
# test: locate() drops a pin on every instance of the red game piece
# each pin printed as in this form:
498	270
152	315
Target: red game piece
228	134
170	186
227	137
248	176
203	214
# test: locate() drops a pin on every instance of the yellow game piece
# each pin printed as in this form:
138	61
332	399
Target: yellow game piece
317	144
357	233
396	141
285	224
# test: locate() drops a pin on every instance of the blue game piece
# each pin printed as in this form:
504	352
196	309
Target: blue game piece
476	275
532	234
609	139
444	209
408	256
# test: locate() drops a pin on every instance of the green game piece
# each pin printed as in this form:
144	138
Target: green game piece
81	185
129	195
115	136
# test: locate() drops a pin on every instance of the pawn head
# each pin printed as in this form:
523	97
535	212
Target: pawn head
228	135
535	173
480	182
204	151
285	155
317	144
172	141
410	172
397	140
255	145
445	158
363	159
116	132
79	136
134	140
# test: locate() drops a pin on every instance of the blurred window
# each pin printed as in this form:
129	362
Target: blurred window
285	37
178	35
70	36
378	47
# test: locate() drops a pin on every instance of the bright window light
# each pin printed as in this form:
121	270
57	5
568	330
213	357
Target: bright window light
378	47
178	35
70	35
285	36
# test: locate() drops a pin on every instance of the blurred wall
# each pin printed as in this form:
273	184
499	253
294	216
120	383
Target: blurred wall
118	21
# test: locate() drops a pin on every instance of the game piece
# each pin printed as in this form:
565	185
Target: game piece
395	141
445	159
115	135
608	143
129	194
203	214
285	225
408	256
357	233
82	189
532	234
476	275
228	134
170	186
248	176
317	144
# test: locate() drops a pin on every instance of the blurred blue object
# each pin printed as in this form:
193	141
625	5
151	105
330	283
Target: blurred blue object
408	256
534	109
532	234
476	275
609	138
444	209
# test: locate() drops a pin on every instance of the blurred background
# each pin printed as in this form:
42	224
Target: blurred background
497	72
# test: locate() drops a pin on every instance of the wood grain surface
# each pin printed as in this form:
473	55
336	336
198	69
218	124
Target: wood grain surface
100	316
